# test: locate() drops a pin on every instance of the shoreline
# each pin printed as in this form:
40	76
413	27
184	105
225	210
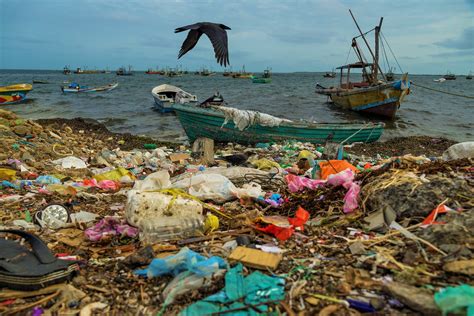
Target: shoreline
396	146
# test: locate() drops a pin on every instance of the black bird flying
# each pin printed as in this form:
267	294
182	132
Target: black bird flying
216	33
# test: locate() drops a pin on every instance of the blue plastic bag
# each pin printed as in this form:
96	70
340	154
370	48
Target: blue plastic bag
184	260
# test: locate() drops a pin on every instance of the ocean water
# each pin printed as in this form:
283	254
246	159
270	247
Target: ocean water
129	108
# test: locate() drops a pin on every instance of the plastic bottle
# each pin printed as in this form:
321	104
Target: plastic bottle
160	229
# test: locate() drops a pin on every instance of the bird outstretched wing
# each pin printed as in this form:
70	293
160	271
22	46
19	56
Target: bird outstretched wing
194	26
189	43
218	37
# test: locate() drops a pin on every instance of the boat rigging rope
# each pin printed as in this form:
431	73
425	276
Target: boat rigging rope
395	57
441	91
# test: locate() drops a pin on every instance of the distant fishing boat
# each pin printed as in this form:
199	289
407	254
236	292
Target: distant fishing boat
439	80
166	95
265	78
124	72
228	73
206	73
371	95
449	76
243	74
211	123
330	74
22	88
150	71
76	88
36	81
88	72
11	99
469	76
66	70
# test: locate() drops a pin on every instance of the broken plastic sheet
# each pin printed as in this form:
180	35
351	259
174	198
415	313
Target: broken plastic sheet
283	228
247	295
110	226
246	118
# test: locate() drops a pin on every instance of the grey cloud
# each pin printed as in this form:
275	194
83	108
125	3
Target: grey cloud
465	41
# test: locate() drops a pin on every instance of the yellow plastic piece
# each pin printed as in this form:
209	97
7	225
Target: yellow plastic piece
114	175
7	174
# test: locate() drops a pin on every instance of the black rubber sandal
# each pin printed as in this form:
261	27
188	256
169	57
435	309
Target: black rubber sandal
25	269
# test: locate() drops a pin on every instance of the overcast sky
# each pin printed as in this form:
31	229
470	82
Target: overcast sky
428	37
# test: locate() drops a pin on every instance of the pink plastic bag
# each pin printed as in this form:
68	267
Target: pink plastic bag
344	178
297	183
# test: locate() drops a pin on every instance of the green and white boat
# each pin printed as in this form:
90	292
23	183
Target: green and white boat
214	122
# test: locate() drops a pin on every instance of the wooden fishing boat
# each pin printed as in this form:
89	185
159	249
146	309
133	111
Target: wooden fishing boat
242	74
11	99
372	95
22	88
124	72
166	95
449	76
265	78
228	73
206	73
469	76
88	72
76	88
154	72
210	123
66	70
36	81
330	74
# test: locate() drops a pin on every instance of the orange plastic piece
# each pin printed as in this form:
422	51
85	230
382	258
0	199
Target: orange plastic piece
333	167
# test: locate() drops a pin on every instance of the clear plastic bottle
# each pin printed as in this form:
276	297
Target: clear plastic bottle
160	229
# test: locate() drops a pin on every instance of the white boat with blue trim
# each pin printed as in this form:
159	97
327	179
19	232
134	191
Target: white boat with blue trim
166	95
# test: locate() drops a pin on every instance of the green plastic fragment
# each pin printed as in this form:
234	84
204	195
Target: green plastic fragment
456	299
28	216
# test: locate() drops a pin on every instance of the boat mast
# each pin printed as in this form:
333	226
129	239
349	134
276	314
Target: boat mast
376	65
376	60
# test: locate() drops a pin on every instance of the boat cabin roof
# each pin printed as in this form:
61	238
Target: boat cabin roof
355	65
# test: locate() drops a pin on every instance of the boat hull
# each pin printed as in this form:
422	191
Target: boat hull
383	100
200	122
16	89
163	107
87	90
11	99
261	80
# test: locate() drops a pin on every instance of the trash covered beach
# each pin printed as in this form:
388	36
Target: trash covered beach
133	226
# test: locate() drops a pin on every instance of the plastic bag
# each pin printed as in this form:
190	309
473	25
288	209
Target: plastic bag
208	187
334	166
154	181
184	260
265	164
7	174
110	226
241	293
71	162
452	299
47	180
119	174
187	281
460	150
283	228
252	189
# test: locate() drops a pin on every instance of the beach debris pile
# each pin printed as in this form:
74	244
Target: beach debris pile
127	225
